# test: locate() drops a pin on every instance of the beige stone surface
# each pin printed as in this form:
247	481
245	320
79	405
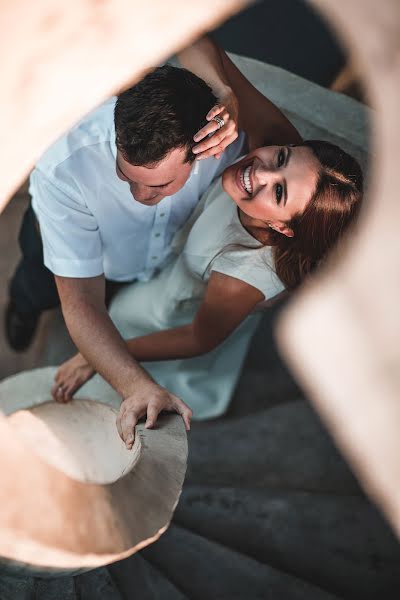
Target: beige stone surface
56	521
61	59
79	438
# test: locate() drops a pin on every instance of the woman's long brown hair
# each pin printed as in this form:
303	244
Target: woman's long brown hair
334	205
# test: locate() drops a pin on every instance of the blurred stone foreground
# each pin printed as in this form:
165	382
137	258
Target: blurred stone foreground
269	509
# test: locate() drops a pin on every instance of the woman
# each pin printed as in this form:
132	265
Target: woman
263	228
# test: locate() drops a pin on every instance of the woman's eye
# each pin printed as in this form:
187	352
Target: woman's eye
281	158
278	193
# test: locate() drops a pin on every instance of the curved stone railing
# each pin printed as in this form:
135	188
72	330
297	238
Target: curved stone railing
72	497
341	334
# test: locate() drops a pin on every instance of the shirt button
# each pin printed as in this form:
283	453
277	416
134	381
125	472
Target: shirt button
154	257
162	214
156	235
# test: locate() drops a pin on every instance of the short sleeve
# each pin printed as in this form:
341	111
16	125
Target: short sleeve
251	265
71	240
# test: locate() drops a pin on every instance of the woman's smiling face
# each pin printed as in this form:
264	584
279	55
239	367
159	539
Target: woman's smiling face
273	184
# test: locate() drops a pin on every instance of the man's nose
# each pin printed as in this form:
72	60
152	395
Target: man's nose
141	193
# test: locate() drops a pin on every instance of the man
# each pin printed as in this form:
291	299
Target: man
108	197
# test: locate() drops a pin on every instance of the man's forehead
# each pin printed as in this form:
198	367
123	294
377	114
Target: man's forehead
160	173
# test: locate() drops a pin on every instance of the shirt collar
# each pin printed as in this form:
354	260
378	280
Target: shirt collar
113	146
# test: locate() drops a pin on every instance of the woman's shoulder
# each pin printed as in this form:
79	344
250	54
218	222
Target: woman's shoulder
253	265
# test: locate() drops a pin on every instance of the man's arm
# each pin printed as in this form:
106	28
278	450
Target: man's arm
96	337
94	333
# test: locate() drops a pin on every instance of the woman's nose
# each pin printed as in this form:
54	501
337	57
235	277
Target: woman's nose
264	176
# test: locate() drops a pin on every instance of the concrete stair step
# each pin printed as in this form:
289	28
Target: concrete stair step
96	584
136	577
204	569
284	446
92	585
339	543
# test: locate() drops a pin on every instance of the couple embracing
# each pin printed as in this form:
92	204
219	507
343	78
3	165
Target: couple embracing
200	202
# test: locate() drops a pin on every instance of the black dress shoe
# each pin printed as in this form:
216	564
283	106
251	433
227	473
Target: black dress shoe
20	327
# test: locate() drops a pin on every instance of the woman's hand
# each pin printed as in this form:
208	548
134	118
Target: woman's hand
149	400
220	137
70	376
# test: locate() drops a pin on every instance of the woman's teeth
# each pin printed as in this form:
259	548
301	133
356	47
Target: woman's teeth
246	181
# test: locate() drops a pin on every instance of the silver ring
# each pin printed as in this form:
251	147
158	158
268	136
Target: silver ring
219	120
60	388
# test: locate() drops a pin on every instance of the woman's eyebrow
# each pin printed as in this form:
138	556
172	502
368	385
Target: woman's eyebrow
285	192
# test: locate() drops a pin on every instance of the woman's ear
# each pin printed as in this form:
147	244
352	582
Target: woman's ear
282	228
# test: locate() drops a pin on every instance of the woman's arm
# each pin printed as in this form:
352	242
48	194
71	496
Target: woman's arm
227	302
204	59
263	122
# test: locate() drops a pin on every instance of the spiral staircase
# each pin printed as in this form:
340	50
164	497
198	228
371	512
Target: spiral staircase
269	510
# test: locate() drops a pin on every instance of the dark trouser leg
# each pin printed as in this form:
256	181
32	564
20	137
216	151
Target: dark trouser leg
32	288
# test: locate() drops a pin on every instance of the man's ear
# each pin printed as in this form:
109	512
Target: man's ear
282	228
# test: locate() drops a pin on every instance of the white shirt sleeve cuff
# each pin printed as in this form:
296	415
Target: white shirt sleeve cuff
75	268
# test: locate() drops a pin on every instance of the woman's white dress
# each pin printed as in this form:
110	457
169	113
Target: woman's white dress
213	240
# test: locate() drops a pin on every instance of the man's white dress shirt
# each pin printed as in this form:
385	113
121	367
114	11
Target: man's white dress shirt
89	221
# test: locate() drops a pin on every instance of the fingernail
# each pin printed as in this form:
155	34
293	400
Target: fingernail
195	150
129	439
199	157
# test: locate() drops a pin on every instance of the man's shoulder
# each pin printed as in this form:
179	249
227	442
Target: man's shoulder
94	130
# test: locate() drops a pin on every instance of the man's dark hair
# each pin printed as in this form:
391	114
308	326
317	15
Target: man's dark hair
160	113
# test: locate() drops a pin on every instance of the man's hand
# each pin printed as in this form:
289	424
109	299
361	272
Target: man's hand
220	137
71	375
149	400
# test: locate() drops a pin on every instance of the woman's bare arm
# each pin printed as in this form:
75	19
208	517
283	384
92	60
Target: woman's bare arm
227	302
263	122
204	59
